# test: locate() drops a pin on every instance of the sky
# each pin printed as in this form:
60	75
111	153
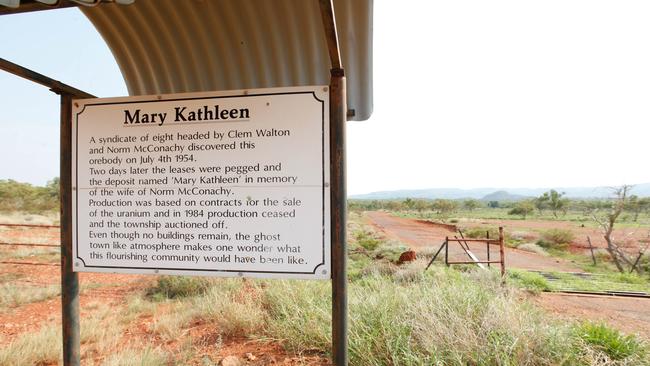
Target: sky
466	94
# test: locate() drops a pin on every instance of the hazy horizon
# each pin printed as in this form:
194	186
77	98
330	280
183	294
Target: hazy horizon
494	98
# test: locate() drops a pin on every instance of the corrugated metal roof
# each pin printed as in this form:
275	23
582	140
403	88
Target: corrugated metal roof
171	46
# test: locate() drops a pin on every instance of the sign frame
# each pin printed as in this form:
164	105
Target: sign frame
321	95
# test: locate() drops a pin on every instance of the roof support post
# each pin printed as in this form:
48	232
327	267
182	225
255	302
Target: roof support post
338	206
69	278
338	198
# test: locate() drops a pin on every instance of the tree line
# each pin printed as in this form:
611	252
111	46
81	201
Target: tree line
553	202
24	197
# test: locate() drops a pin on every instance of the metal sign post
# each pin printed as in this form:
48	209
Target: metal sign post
69	279
339	214
338	205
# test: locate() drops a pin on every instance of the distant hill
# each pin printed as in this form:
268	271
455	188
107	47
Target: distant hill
641	190
503	196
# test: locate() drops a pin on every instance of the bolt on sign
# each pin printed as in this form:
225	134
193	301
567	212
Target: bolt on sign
221	184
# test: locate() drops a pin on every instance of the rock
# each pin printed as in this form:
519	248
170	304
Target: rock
250	356
231	361
408	256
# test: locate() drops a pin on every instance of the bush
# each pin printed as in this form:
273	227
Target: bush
480	232
16	196
171	287
610	341
557	237
367	240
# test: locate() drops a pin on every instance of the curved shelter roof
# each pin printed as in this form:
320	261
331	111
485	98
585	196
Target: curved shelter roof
171	46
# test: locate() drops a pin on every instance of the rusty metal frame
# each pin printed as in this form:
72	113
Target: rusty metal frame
500	242
69	279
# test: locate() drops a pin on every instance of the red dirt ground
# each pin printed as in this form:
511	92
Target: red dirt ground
419	235
622	234
113	290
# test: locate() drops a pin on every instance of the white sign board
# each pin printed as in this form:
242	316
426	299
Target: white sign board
224	184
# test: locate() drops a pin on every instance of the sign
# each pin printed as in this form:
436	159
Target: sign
221	184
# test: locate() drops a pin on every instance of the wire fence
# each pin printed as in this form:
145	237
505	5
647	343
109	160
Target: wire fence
28	244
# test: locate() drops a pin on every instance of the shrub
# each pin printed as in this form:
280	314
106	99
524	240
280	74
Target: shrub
367	240
557	237
480	232
16	196
171	287
610	341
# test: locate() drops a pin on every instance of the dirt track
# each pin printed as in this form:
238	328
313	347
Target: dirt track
419	235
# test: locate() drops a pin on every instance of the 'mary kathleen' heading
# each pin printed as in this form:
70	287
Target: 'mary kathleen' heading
183	114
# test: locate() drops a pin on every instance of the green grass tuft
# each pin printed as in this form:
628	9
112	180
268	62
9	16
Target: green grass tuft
610	341
531	281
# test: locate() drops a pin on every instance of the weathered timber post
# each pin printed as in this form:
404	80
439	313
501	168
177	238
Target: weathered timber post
487	243
502	252
447	251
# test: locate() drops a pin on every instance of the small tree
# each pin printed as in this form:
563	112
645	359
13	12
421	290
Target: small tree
409	203
471	204
444	207
607	220
420	205
637	205
493	204
541	203
552	200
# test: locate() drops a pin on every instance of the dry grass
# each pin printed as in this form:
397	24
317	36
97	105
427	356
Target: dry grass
236	308
12	295
41	347
138	357
171	323
29	218
533	248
